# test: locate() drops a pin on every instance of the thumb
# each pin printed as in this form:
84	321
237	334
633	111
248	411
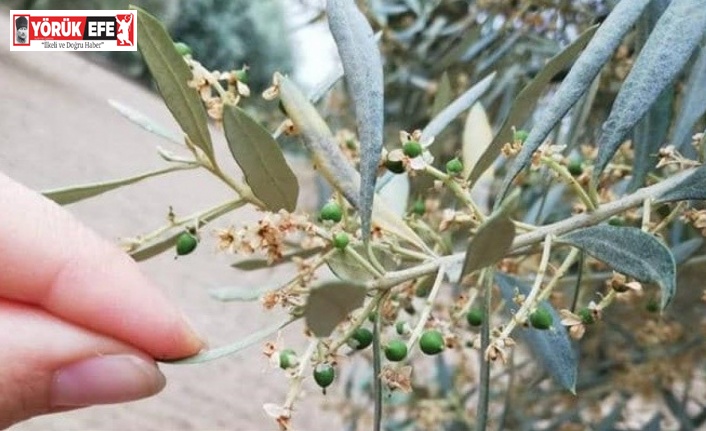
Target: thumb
49	365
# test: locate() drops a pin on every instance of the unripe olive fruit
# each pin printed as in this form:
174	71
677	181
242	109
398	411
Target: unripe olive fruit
361	338
575	167
521	135
616	221
287	359
431	342
186	243
182	48
396	350
652	305
242	75
340	240
418	207
324	375
331	211
412	149
454	166
541	318
474	317
586	316
394	166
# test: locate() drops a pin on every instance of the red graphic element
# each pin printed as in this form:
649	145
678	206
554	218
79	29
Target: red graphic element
56	27
126	30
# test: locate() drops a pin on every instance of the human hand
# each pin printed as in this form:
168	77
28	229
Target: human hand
79	324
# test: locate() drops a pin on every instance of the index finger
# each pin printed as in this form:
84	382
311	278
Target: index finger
51	260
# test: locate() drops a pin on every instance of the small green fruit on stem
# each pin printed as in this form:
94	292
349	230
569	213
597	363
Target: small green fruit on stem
340	240
324	375
287	359
541	318
396	351
331	211
412	149
182	48
431	342
361	338
474	317
186	243
454	166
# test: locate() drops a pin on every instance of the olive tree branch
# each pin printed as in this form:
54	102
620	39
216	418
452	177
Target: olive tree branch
536	236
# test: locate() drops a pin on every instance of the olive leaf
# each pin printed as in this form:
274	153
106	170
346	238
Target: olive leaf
598	51
552	348
72	194
683	251
318	139
171	74
448	114
362	65
650	133
693	106
693	187
330	161
490	243
347	268
329	304
219	352
145	122
629	251
237	293
443	96
674	38
395	193
492	240
259	156
523	106
477	136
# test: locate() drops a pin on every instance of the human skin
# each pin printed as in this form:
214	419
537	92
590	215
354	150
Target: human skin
22	33
79	324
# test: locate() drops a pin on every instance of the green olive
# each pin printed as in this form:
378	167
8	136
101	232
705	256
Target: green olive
412	149
331	211
186	243
396	350
431	342
541	318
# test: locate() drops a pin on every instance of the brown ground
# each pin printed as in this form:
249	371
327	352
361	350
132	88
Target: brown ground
58	129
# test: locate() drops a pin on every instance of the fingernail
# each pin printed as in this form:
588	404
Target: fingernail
196	340
105	380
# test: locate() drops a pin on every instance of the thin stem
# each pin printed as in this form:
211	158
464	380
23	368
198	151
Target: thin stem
298	378
568	261
670	217
533	298
360	260
426	312
564	173
457	190
377	370
484	384
646	213
525	240
359	320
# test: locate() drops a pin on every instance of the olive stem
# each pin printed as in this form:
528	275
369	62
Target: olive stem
564	173
426	312
296	382
484	384
357	322
532	299
522	241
